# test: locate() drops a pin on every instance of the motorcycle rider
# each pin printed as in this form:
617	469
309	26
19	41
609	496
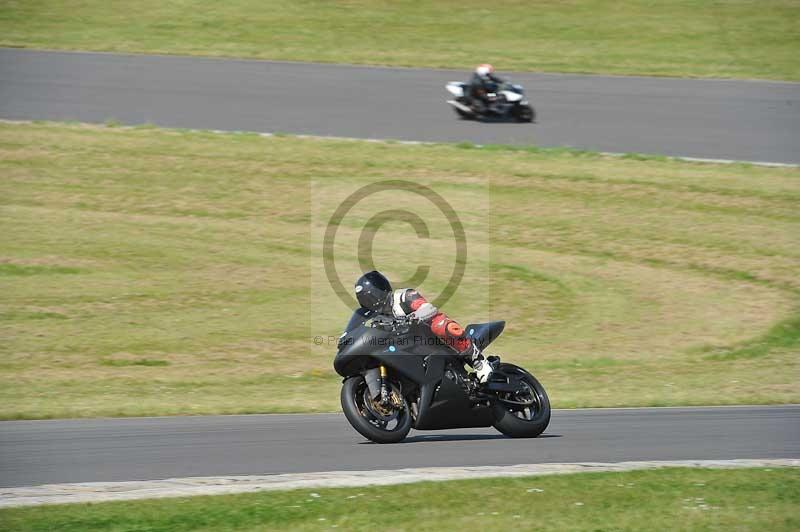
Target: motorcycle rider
374	293
482	82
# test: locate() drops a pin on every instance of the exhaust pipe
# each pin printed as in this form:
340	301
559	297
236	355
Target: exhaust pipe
460	106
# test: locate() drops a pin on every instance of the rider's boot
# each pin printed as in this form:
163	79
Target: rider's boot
484	366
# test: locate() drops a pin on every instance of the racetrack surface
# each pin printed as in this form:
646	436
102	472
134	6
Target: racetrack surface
62	451
741	120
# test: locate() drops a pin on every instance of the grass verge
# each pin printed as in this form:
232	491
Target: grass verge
743	39
149	272
673	499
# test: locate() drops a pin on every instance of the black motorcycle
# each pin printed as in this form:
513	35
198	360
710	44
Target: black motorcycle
399	376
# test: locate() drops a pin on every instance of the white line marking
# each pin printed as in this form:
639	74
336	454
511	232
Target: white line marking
225	485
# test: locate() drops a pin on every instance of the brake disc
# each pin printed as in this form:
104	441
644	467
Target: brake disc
381	412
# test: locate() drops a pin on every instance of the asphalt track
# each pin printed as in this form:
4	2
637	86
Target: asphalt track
742	120
61	451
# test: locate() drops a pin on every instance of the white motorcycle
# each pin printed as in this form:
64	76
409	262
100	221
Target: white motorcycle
507	101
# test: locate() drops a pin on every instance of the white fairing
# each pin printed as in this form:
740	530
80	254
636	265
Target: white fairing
512	96
456	88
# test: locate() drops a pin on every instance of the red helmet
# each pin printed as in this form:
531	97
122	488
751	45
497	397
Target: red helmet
484	69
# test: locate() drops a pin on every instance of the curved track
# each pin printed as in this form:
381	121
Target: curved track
742	120
61	451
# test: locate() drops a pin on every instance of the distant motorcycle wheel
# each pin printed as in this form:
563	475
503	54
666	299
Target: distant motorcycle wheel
524	113
519	422
370	419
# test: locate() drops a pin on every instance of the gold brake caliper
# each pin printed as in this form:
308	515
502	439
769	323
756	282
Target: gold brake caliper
390	398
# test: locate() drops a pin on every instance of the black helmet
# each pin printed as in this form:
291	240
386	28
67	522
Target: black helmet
373	290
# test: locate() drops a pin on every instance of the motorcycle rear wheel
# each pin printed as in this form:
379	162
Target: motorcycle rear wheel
463	114
368	424
529	422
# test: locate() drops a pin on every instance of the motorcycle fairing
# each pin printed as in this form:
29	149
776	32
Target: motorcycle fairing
366	346
484	334
456	88
443	402
511	96
359	317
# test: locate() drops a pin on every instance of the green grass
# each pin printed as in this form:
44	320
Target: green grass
785	334
673	499
147	271
739	39
137	362
16	269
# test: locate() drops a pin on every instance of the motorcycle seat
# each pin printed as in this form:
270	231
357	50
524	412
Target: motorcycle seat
484	333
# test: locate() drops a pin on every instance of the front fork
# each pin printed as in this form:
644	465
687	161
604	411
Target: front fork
384	385
380	389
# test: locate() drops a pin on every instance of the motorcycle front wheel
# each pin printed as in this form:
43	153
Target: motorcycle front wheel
369	418
524	113
526	413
